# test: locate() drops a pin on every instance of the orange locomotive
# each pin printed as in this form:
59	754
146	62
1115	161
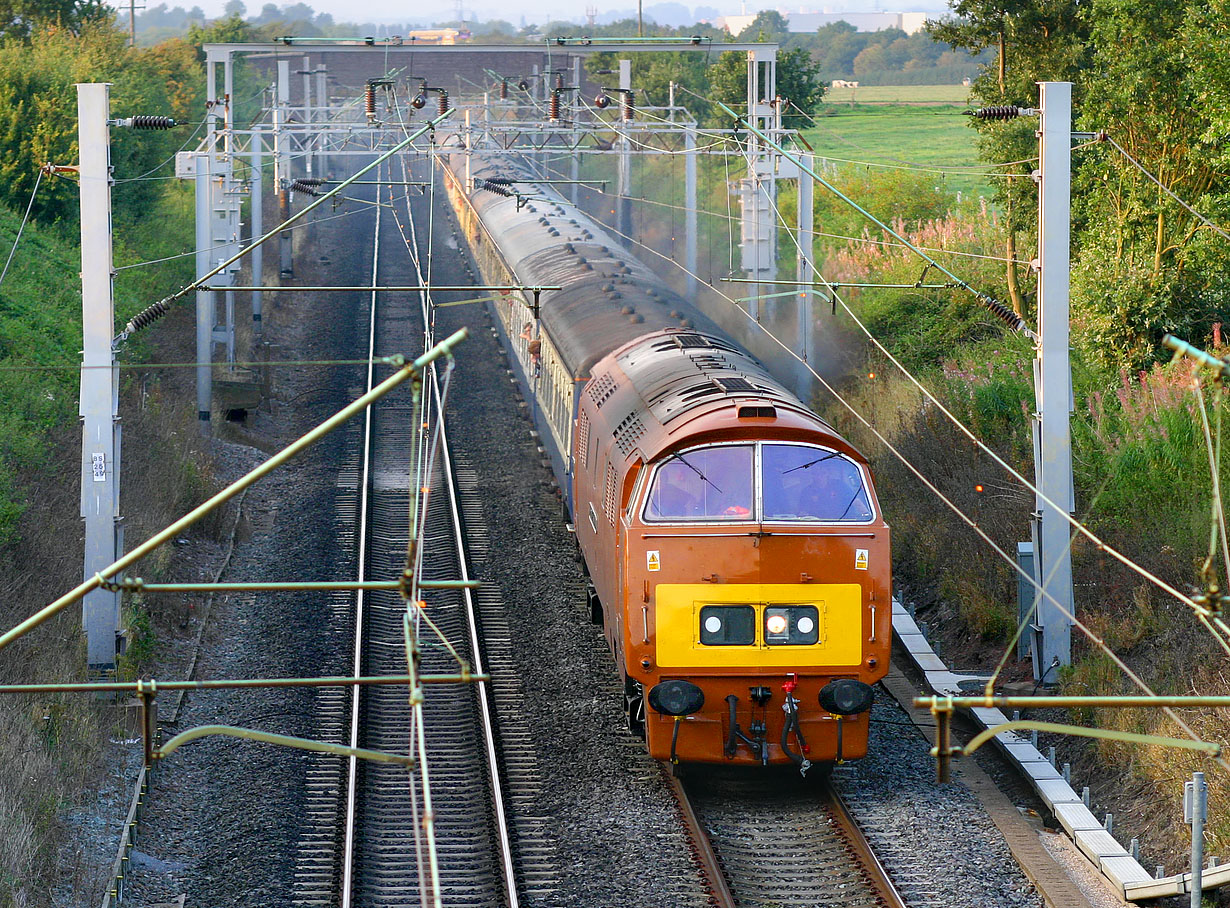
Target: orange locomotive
738	558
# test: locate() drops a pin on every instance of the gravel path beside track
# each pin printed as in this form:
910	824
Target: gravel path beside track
223	817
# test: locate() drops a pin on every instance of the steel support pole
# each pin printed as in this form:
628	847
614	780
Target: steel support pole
806	265
1054	381
257	219
205	306
282	165
575	168
307	114
759	190
100	440
469	142
689	214
1199	812
322	116
623	207
228	100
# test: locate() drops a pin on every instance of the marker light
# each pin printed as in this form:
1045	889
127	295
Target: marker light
806	625
713	624
776	624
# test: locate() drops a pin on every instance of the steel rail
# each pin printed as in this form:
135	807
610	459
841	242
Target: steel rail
497	792
137	585
145	686
883	893
364	484
710	865
406	371
875	870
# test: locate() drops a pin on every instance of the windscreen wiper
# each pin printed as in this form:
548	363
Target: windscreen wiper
683	460
810	463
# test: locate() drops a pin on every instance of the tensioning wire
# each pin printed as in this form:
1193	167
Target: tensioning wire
1141	167
158	167
180	255
30	207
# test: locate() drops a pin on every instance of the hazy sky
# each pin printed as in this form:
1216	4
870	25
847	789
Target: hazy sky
533	10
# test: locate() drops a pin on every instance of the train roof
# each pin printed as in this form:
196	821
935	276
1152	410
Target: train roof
674	386
608	298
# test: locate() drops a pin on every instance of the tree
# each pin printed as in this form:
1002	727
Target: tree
235	9
869	60
769	25
1034	40
38	115
1148	265
19	18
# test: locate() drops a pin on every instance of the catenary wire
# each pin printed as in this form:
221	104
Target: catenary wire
30	207
1200	217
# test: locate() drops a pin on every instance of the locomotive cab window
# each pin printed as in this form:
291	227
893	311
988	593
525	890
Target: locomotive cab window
812	484
768	481
703	484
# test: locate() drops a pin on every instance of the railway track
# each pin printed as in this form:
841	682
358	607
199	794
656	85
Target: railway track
773	840
369	842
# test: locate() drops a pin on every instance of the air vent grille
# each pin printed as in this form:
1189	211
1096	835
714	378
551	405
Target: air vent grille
601	389
762	412
583	439
608	502
628	432
690	340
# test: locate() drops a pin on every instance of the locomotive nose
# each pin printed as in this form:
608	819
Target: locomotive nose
846	697
676	698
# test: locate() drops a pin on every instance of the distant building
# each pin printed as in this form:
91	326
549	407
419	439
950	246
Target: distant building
810	22
436	36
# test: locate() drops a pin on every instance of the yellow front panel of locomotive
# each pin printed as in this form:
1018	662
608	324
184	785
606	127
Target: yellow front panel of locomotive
678	625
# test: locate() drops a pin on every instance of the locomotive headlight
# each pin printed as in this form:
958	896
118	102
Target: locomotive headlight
676	698
846	697
791	625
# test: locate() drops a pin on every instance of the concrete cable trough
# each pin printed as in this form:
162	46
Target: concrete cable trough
1123	873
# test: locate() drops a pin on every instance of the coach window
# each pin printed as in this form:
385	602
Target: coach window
812	484
703	484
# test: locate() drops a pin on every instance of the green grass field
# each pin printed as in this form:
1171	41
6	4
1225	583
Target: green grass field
899	94
935	137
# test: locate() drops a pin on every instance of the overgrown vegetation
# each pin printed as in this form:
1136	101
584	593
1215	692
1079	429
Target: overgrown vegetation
49	745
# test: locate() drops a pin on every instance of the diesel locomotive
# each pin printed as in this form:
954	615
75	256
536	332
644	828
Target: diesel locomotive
737	557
